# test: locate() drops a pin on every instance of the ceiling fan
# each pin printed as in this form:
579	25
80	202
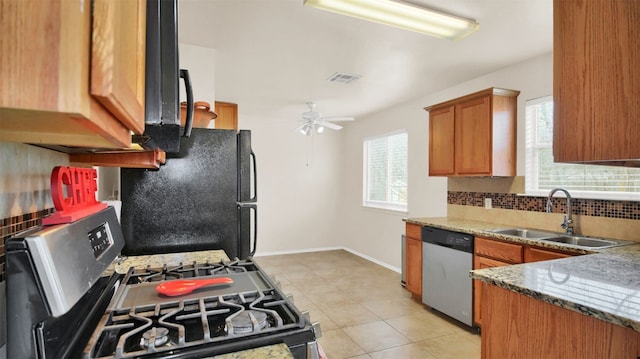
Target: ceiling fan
313	121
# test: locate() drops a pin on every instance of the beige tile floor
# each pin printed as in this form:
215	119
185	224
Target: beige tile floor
363	310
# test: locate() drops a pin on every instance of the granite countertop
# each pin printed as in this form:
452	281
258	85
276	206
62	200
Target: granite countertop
483	229
603	284
122	265
278	351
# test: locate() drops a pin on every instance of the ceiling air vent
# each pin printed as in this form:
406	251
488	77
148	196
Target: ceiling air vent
343	78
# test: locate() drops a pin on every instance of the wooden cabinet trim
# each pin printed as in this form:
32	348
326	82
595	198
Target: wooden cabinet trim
413	264
482	93
133	159
413	231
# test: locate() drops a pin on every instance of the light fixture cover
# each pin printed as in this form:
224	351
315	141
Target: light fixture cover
402	15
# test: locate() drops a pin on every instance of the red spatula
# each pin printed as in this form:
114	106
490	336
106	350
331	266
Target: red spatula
173	288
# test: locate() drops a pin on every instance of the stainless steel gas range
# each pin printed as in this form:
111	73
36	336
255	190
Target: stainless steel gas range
62	305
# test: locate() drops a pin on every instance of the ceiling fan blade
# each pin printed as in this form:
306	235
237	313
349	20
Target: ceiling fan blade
330	125
338	118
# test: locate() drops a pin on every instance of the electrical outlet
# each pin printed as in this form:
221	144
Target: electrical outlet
487	203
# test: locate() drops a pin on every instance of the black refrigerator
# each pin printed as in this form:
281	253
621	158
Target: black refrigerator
204	197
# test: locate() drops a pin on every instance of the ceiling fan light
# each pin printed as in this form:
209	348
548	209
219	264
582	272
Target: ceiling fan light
306	129
402	15
320	129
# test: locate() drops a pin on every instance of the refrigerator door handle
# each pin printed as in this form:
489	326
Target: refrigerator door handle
255	178
254	207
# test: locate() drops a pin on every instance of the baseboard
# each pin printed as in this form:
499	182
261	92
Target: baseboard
324	249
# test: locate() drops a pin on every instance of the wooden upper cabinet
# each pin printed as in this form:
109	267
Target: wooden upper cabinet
46	71
118	59
227	115
596	81
474	135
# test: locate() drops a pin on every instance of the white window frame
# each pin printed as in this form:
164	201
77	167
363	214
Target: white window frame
391	206
531	160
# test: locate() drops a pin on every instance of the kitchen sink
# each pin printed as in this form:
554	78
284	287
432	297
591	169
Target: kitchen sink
525	233
582	241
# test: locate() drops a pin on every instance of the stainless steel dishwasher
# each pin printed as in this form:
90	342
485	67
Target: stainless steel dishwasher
447	258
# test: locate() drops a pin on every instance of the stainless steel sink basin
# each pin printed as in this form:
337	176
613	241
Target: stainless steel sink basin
587	242
525	233
582	241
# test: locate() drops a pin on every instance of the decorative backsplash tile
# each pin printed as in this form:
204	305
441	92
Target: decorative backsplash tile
579	206
12	225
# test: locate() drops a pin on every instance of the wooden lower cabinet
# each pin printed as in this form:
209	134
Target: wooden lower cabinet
481	263
522	327
489	253
413	260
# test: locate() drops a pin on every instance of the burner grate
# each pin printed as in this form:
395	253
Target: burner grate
134	332
189	270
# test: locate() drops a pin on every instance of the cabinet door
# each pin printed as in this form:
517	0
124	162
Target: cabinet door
481	263
537	255
118	59
45	72
473	137
441	142
227	115
596	80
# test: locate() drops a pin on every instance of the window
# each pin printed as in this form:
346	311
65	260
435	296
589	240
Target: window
586	181
385	171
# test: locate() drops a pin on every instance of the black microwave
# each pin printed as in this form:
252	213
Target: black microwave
162	77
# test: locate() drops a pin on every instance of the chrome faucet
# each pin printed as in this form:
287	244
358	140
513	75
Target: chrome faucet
567	222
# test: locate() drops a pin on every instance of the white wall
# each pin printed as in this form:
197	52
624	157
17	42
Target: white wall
200	61
377	233
298	185
310	193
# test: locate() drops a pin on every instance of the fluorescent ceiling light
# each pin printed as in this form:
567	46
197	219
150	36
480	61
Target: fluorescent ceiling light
402	15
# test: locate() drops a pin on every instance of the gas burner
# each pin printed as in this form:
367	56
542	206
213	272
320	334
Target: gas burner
247	321
161	336
189	270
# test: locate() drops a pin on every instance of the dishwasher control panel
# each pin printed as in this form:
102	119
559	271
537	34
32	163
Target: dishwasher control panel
456	240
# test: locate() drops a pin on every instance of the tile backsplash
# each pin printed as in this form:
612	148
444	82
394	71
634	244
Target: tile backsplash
25	194
579	206
598	218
